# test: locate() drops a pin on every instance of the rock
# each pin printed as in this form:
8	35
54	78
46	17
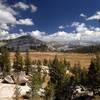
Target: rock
90	93
41	92
44	69
7	91
8	79
24	89
20	77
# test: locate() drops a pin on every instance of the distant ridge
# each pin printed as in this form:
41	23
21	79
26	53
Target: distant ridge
26	42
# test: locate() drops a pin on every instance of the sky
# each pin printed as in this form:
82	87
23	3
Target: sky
51	20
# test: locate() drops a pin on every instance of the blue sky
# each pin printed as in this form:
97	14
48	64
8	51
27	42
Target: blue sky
48	17
53	13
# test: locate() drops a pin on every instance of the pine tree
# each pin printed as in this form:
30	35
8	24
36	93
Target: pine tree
66	64
34	62
35	83
27	63
80	75
49	94
17	91
94	72
1	63
60	81
18	63
39	62
5	61
45	62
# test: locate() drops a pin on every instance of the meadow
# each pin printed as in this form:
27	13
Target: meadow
82	58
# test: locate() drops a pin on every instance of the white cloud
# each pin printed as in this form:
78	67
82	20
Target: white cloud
60	36
24	6
7	14
26	21
83	15
33	8
87	33
38	34
82	33
7	17
95	16
21	5
4	7
61	27
21	30
4	27
74	24
3	33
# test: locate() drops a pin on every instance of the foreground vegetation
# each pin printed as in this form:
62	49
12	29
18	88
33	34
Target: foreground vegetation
63	78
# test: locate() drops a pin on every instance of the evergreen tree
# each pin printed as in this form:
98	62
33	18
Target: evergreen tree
1	63
49	94
45	62
27	63
5	61
34	62
94	72
80	75
66	64
35	83
18	63
39	62
17	91
60	81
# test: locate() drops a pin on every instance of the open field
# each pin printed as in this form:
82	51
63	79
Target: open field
84	59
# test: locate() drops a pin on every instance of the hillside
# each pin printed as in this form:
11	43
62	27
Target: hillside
26	42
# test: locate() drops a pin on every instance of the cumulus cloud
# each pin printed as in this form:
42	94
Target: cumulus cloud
33	8
95	16
7	8
21	5
7	14
37	34
3	33
7	17
60	36
88	33
24	6
26	21
4	26
74	24
82	33
61	27
83	15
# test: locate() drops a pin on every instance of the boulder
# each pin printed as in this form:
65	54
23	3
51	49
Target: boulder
41	92
8	79
20	77
7	91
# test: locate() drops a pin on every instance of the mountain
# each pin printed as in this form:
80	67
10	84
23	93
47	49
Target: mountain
71	45
26	42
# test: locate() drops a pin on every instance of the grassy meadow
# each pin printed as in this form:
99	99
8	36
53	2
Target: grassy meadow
83	58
